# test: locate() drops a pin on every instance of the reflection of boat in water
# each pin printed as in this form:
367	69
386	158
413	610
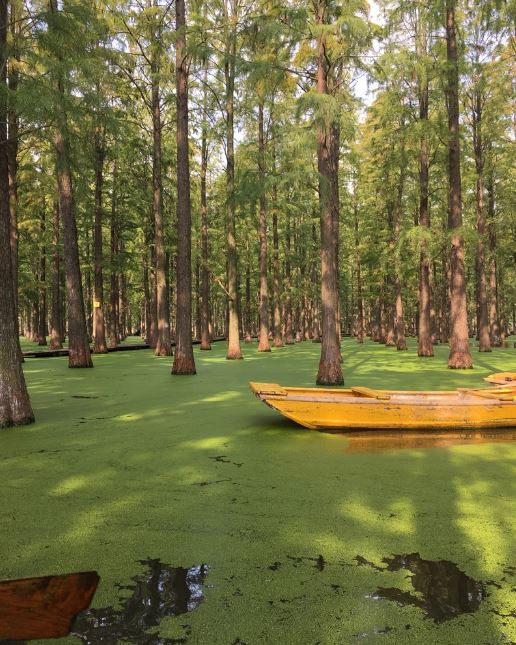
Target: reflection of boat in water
408	440
363	407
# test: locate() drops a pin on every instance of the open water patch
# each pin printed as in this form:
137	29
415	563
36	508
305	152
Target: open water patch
444	591
160	591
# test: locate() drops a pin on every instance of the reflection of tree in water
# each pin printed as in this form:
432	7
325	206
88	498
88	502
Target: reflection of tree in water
447	591
161	591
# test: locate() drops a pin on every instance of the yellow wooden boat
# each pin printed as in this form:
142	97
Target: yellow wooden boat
363	407
501	378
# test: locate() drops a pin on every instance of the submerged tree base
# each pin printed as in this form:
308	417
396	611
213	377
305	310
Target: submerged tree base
163	351
183	365
330	373
234	353
460	361
11	422
80	358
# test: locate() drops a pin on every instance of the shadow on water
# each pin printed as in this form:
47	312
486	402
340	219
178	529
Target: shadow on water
444	590
160	591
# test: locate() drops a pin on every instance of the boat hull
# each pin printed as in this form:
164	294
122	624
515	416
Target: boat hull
321	409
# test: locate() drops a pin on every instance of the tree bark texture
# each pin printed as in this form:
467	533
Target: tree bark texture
460	356
99	327
425	345
56	332
205	272
484	337
78	344
234	351
330	372
183	356
263	336
15	408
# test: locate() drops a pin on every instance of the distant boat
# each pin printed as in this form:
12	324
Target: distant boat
363	407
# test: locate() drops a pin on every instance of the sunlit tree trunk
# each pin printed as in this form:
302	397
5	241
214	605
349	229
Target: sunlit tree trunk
15	408
205	273
460	356
234	351
425	345
496	338
99	328
183	356
360	332
329	372
278	339
263	336
113	332
15	25
163	341
481	290
42	304
289	330
78	344
79	349
56	333
399	320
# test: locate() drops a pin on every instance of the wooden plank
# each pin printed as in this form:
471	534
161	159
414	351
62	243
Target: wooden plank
44	607
267	389
372	394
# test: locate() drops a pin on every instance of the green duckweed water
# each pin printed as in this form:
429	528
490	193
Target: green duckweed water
196	470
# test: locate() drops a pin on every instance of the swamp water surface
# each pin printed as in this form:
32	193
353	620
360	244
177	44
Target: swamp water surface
159	592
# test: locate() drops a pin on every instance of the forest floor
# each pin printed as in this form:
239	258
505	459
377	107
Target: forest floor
128	465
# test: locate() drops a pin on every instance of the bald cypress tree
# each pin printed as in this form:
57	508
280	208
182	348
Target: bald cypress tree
15	408
183	358
460	356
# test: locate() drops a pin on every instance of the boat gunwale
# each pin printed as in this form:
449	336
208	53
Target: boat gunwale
431	400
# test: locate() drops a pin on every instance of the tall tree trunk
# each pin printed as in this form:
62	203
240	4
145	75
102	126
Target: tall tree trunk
247	319
335	206
42	311
15	408
13	142
56	333
122	294
329	372
360	298
460	356
146	295
183	356
425	346
205	272
113	333
78	344
401	343
79	349
234	351
278	339
496	338
289	331
316	320
163	346
481	290
263	337
99	328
